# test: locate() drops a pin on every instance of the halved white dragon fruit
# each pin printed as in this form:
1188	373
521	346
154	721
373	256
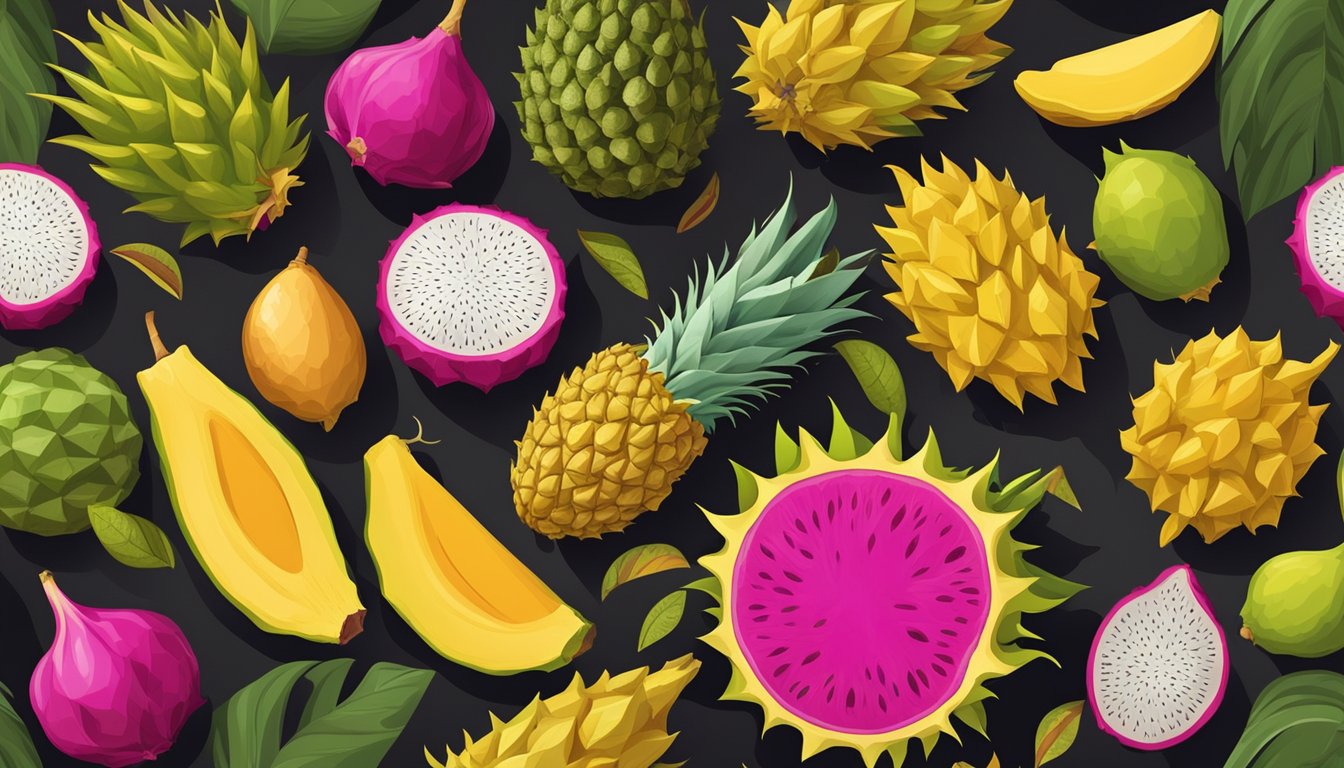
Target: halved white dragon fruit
471	294
1318	244
48	248
1159	664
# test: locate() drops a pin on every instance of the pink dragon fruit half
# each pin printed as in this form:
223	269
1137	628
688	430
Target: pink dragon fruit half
116	685
1318	244
471	294
413	113
48	248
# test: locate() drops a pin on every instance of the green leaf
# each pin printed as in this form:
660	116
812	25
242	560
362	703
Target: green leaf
1290	718
709	585
27	45
702	207
16	746
615	256
158	264
877	374
131	539
1281	92
1057	731
308	26
355	732
641	561
1057	485
662	619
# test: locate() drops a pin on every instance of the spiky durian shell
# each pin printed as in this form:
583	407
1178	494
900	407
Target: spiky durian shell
992	292
178	114
1225	434
861	71
1017	586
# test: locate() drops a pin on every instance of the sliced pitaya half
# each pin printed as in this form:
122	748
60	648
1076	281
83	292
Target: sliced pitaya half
1318	244
1159	665
48	248
471	294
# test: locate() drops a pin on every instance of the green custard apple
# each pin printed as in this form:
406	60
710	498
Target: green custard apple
67	442
1158	224
618	96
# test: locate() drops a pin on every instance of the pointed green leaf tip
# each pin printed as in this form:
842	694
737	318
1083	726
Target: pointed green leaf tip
1057	731
617	259
662	619
157	264
644	560
877	374
130	539
16	746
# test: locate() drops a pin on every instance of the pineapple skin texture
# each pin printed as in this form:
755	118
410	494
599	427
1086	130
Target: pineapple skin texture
1225	434
992	292
604	447
617	722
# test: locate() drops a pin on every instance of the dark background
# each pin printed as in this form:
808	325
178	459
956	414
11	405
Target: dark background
348	221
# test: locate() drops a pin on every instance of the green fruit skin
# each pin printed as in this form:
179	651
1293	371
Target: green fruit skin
67	442
1295	604
1158	223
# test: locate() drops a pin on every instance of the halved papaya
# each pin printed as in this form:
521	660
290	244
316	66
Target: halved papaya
462	591
248	507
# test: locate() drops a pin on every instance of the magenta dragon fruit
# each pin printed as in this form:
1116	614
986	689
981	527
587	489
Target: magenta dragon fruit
1318	243
116	685
48	248
471	294
413	113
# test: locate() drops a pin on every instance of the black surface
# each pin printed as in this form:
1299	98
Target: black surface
348	221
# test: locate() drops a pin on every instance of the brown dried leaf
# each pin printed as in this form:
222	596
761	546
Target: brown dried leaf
702	207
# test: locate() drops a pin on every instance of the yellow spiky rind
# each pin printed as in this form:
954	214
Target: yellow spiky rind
860	71
1225	434
619	720
1016	586
993	293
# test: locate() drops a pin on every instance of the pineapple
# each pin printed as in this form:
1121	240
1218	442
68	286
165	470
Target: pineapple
992	292
618	721
1225	434
861	71
617	433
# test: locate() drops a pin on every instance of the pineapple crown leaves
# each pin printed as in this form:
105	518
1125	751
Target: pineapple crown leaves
178	114
745	322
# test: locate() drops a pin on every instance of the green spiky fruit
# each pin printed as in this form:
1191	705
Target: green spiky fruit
944	590
178	114
67	442
618	96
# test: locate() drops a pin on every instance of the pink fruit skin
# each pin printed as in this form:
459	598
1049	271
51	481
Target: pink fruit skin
58	306
421	114
1092	658
480	371
1327	300
116	685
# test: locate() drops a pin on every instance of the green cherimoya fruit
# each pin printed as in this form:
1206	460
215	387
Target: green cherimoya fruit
1158	224
1295	604
178	114
67	442
618	96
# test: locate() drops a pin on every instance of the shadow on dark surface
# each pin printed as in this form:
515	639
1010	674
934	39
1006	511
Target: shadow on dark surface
859	170
1124	17
86	325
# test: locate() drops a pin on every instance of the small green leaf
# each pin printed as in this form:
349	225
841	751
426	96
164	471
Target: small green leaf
877	374
1057	731
308	26
1057	485
16	746
615	256
702	207
156	263
642	561
709	585
131	539
746	487
662	619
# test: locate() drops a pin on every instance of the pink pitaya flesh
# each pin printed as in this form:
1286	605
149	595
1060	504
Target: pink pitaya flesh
1158	667
413	113
471	294
116	686
48	248
1318	244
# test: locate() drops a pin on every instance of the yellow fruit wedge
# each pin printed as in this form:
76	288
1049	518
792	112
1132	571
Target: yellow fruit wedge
247	505
1125	81
466	595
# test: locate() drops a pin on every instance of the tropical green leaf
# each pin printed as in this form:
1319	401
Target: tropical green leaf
27	45
662	619
157	264
1057	731
354	732
1281	94
308	26
644	560
130	539
1290	721
616	257
877	373
16	746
